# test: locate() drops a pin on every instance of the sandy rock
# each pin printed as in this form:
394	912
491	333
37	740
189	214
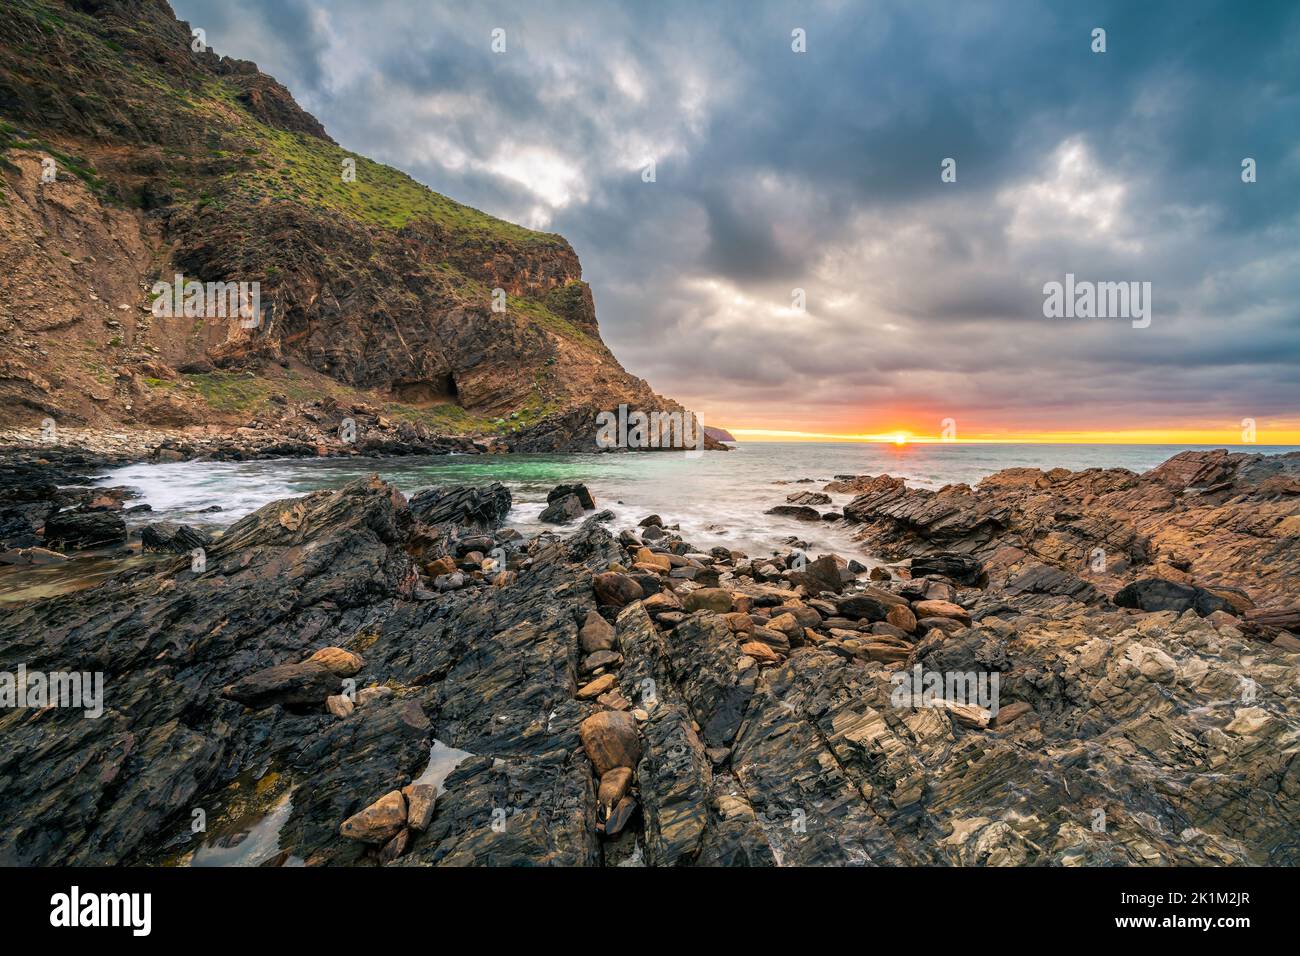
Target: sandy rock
341	662
379	822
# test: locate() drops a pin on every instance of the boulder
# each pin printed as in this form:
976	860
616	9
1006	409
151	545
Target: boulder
421	798
610	739
961	568
613	786
341	662
379	822
596	634
74	530
1156	594
924	609
616	590
577	490
309	682
168	536
470	506
808	498
798	512
820	575
717	600
562	510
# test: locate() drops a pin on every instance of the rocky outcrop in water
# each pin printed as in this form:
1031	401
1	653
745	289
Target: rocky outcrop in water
622	700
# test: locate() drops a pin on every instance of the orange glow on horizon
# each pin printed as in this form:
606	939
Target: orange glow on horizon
1218	437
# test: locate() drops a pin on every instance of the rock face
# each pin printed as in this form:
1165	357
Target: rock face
71	530
1202	519
471	506
191	163
774	727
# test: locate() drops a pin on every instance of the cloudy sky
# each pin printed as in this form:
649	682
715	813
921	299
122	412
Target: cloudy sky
778	170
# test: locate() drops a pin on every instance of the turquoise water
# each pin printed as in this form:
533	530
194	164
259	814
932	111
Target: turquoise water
717	498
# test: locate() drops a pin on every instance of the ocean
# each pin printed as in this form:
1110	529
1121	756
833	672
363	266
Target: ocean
717	498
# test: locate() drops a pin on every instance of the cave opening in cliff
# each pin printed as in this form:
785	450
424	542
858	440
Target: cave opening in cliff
428	392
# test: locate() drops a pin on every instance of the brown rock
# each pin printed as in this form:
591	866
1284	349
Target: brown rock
610	740
759	652
1007	714
660	561
902	618
738	623
368	695
379	822
339	705
444	565
420	801
601	659
616	590
941	609
708	599
309	682
396	846
597	634
613	786
341	662
600	685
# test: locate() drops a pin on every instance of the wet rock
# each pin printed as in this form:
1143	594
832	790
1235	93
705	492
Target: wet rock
798	512
482	507
808	498
291	684
577	490
168	536
651	521
77	530
961	568
563	510
379	822
1154	594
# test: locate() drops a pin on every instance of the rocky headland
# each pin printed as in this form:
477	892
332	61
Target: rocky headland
131	153
407	682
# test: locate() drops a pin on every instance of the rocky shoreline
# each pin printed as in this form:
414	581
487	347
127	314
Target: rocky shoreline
614	696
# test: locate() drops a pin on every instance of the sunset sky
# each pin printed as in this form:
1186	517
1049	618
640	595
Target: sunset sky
820	171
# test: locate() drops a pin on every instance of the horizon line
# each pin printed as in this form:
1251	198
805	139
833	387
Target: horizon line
901	437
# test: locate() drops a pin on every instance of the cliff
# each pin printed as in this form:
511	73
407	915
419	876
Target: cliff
374	290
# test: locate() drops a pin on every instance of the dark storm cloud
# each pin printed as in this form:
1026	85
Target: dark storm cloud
820	171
